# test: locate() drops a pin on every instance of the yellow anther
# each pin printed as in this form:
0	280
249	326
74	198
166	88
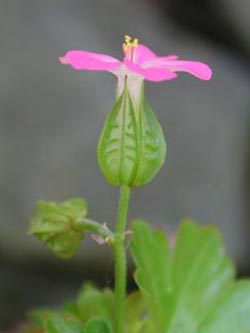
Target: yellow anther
127	38
129	43
135	42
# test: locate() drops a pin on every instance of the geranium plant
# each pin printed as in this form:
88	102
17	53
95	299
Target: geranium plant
185	287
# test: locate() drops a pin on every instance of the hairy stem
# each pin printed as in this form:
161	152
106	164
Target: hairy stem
96	227
120	261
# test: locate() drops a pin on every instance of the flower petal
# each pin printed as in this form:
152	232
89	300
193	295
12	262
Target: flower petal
172	57
89	60
143	53
158	74
196	68
151	73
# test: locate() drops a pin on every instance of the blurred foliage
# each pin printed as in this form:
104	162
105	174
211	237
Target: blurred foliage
186	288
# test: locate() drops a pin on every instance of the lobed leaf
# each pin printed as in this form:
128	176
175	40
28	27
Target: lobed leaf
182	286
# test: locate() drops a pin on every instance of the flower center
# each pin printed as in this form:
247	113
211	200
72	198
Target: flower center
129	47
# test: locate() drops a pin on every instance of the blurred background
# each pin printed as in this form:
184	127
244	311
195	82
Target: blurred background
51	117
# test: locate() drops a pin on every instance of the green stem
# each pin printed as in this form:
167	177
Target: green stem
96	227
120	261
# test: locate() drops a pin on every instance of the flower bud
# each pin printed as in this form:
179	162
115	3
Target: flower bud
56	224
132	147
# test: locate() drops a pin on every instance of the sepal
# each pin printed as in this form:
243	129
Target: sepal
132	147
152	145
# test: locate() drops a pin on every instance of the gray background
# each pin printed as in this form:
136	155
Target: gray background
51	117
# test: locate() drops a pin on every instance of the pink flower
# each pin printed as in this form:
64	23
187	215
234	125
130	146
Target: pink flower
138	60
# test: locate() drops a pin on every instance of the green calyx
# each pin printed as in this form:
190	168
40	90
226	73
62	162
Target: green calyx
132	147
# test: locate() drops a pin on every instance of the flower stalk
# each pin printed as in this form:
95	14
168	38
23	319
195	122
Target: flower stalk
120	261
97	228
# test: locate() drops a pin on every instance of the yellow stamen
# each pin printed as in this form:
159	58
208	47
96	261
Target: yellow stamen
127	39
129	43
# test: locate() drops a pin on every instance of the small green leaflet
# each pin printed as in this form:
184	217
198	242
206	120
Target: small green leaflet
192	288
56	224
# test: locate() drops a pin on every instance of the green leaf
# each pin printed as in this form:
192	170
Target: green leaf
231	314
152	258
92	302
137	319
182	287
200	274
135	306
58	324
97	325
56	224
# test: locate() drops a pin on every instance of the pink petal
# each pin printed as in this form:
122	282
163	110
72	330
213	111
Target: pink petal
151	73
158	74
143	54
89	60
196	68
133	66
172	57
